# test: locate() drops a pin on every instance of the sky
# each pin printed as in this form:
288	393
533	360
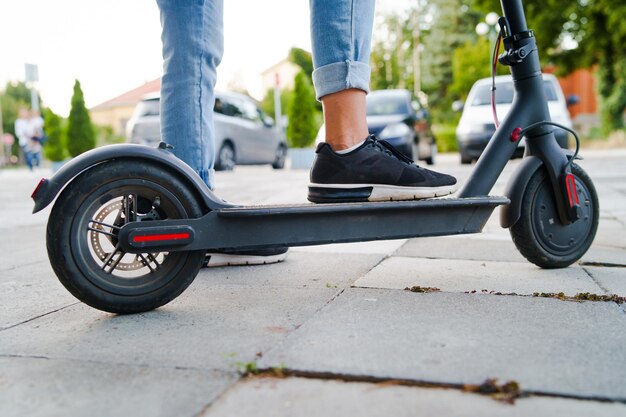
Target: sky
112	46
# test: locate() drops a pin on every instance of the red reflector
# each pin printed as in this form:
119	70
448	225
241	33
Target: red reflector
158	238
572	194
515	136
41	182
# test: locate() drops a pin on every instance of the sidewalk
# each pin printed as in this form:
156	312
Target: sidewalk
331	331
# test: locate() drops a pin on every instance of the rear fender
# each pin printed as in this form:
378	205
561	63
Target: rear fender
49	188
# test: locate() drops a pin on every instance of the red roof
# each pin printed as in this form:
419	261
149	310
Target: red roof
132	97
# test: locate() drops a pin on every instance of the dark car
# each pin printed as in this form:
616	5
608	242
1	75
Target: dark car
398	117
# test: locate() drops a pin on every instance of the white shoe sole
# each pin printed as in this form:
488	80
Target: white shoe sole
383	192
223	259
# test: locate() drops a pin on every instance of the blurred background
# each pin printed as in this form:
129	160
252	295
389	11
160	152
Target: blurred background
87	74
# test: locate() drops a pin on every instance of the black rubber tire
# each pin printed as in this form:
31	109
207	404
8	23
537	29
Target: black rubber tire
224	162
539	235
433	152
466	160
281	156
74	262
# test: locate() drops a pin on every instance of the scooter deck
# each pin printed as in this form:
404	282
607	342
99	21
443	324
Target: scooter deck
311	224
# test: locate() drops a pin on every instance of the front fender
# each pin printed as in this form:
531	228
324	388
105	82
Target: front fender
515	188
49	188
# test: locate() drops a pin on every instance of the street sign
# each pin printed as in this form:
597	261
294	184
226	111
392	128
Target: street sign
32	73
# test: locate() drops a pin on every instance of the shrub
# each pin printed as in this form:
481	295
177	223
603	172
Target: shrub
54	149
302	113
446	138
80	132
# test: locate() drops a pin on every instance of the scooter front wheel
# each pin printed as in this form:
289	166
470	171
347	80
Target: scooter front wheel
82	237
541	237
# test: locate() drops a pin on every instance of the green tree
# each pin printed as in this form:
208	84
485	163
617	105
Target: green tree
267	104
581	34
80	132
303	59
302	113
16	95
471	62
453	25
54	149
436	28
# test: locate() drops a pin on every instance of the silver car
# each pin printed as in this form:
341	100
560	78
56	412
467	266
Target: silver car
244	135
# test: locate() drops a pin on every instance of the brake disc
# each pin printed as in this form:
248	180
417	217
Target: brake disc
133	263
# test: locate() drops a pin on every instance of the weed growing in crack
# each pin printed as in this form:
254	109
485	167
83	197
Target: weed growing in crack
417	288
582	296
507	392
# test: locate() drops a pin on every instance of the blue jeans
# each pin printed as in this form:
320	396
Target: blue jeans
193	45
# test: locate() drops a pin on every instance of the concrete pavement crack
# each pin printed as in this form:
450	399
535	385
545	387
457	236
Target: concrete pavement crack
39	316
13	268
606	290
602	264
286	372
135	365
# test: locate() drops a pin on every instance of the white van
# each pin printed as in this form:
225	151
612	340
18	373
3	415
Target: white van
477	126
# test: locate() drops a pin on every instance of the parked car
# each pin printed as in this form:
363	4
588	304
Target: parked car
398	117
244	135
477	126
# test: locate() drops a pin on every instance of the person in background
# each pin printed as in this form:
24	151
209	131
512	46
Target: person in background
37	139
24	133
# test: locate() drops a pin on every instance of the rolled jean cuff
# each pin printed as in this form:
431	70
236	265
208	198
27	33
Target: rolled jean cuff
341	76
208	176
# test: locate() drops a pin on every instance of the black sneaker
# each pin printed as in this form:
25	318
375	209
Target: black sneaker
245	257
375	171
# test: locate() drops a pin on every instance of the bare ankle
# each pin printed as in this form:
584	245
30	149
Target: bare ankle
345	118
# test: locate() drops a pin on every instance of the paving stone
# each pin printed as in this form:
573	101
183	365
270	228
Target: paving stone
383	247
604	255
332	398
472	247
299	270
22	246
547	345
51	387
207	327
611	233
30	291
459	276
613	280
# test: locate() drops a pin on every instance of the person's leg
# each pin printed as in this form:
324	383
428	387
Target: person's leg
27	158
351	165
341	33
193	45
193	39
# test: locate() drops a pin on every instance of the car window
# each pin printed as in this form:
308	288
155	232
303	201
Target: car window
382	105
250	111
148	108
504	93
228	107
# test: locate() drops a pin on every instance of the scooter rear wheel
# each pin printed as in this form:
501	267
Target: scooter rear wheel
540	236
82	237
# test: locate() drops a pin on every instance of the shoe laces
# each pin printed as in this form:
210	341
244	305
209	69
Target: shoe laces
389	150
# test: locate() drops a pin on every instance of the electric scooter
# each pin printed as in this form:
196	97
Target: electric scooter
131	225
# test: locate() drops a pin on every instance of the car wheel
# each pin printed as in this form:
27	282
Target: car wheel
465	159
281	155
433	152
225	158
